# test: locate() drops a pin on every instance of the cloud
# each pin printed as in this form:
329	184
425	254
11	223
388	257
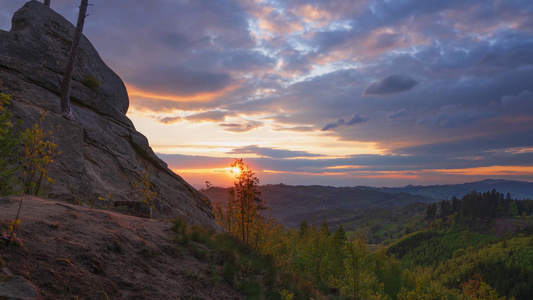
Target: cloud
276	127
355	119
454	117
209	116
397	114
329	126
271	152
391	84
480	148
169	120
389	40
177	80
241	127
306	63
520	104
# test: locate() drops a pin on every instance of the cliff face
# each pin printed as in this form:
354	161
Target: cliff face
101	152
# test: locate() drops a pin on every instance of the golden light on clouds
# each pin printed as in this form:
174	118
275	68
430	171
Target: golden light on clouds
311	13
484	171
133	92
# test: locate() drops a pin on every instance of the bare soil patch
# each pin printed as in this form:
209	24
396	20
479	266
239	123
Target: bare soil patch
75	252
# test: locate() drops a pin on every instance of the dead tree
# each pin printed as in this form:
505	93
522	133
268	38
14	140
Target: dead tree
67	76
47	2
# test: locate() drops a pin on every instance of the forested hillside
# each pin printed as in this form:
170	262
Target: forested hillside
481	235
474	247
518	189
288	202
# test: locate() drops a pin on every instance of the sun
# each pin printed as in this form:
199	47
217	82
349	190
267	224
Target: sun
234	171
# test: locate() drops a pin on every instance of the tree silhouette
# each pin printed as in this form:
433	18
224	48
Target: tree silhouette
67	76
243	215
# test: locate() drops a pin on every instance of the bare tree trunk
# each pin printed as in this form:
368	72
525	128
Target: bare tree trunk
67	77
47	2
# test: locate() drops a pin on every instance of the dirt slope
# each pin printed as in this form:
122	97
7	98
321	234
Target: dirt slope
75	252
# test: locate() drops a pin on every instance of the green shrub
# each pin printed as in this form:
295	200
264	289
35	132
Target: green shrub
8	144
200	234
251	288
91	82
230	271
179	226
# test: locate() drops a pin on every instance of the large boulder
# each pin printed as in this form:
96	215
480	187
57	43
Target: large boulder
101	152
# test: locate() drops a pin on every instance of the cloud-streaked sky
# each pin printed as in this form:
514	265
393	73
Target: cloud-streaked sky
342	93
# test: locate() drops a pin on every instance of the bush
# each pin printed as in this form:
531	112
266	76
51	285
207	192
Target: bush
38	152
8	144
91	82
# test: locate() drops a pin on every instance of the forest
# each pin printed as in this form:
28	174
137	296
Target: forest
460	253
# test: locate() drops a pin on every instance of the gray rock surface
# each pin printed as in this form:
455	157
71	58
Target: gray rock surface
101	152
18	288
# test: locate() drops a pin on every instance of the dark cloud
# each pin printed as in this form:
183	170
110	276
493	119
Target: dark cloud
356	119
519	104
477	147
329	126
271	152
454	119
390	85
398	114
184	42
493	62
246	61
178	80
389	40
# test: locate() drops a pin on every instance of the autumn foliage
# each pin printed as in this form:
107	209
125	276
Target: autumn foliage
246	215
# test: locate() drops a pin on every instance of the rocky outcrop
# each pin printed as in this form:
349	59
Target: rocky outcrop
101	152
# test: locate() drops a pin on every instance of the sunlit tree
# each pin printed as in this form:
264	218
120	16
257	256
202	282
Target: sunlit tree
246	215
359	280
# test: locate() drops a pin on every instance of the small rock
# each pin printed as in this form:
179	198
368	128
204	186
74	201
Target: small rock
16	287
6	271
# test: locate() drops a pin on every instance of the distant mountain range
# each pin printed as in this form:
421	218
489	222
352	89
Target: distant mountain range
517	189
291	203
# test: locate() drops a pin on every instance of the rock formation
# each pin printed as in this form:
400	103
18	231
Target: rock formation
101	152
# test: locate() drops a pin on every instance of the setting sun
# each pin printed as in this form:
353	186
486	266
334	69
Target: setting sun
234	171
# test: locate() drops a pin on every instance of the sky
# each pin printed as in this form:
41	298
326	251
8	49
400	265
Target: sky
339	93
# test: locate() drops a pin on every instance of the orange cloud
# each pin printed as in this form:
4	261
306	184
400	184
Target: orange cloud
492	170
133	91
273	22
313	14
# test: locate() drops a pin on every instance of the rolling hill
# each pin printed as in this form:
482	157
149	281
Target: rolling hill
517	189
